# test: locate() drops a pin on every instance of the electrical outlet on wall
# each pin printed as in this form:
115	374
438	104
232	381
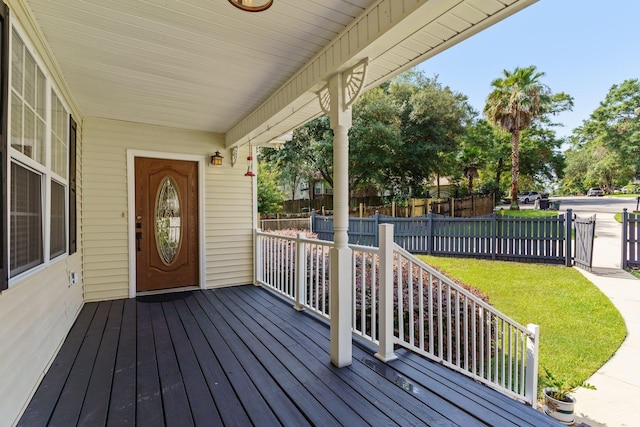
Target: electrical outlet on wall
73	278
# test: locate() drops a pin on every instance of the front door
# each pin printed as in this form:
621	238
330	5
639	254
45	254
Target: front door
166	224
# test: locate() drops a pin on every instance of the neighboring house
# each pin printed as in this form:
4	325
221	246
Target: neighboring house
321	188
111	112
441	188
317	188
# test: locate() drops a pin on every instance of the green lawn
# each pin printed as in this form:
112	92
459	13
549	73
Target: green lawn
623	195
579	327
528	213
618	216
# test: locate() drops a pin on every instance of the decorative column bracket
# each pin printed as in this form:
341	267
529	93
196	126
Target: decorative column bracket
353	79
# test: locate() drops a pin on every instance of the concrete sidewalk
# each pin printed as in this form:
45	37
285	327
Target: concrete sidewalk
616	402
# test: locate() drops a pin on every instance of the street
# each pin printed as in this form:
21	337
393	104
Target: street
586	206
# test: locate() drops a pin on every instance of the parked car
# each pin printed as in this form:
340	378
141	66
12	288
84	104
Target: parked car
529	196
595	192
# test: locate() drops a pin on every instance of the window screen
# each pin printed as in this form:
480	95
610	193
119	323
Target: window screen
58	220
26	219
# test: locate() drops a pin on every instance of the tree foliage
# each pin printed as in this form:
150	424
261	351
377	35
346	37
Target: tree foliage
606	148
403	133
517	101
433	124
270	197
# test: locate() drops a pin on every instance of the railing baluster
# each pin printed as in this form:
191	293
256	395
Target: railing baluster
375	295
440	316
510	359
354	293
489	338
421	308
316	277
300	263
398	260
496	356
458	338
325	285
449	325
430	286
474	347
481	324
410	307
466	333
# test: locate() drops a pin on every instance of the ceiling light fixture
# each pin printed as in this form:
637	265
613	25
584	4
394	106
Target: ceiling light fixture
252	5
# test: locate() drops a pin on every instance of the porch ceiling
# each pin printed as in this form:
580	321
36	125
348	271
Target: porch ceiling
205	65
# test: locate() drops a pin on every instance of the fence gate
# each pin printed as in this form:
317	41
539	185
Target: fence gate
585	232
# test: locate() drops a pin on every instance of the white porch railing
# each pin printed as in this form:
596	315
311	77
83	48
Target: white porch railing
401	301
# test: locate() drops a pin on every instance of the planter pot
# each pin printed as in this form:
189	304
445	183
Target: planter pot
558	409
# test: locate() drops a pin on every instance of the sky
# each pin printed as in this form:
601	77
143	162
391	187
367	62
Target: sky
583	46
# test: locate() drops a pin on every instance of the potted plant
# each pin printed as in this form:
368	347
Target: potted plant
559	402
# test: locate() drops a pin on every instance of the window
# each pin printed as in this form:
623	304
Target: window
38	143
58	240
26	219
59	136
28	91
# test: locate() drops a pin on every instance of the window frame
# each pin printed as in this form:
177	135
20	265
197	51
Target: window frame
49	176
4	146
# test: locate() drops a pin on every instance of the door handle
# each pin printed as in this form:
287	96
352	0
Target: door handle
138	239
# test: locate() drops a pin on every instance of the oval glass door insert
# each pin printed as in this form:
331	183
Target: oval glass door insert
168	223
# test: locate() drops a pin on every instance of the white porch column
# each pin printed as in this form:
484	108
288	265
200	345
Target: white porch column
341	308
336	99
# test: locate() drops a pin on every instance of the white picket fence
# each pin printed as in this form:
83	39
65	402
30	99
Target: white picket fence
399	301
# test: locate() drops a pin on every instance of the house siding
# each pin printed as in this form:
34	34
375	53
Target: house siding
39	308
228	204
35	316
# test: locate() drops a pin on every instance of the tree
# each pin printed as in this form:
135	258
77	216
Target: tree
433	123
517	99
374	140
270	197
295	169
540	156
575	170
612	136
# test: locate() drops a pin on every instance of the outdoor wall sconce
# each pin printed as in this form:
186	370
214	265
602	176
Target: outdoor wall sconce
216	159
252	5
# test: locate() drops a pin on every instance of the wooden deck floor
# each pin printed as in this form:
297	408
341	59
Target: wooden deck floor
238	357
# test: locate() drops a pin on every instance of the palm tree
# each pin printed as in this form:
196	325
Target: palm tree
515	101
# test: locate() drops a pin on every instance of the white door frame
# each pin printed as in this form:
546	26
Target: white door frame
131	184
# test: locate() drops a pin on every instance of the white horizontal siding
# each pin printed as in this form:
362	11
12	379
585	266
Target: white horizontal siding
35	316
228	204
